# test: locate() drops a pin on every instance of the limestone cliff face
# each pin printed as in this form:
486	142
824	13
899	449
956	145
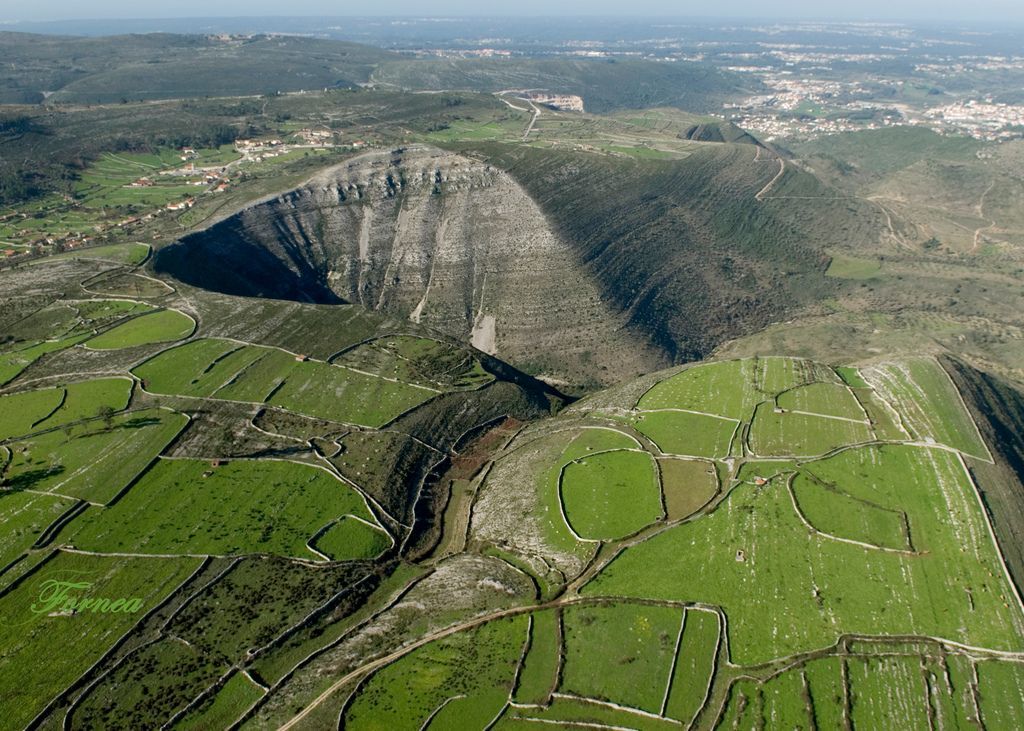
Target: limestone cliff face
442	239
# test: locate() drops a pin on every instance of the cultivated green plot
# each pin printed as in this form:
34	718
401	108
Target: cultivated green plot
929	403
226	707
687	485
774	375
479	664
960	670
351	538
20	412
24	516
827	691
188	370
163	326
255	380
734	557
93	461
685	433
88	399
828	399
610	495
245	506
340	394
833	511
539	675
887	688
15	361
1001	694
885	423
784	704
788	433
634	669
851	377
695	664
725	388
743	712
46	649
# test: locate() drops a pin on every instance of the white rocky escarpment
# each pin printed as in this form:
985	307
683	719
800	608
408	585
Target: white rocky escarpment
456	244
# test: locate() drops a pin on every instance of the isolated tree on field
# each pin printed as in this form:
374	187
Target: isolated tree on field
106	412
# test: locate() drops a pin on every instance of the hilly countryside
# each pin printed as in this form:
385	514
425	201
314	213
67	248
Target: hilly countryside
349	387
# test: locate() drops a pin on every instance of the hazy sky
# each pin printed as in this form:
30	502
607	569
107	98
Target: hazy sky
980	10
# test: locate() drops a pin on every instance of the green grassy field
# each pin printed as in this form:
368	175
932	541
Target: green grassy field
226	707
771	619
837	513
45	650
189	506
539	674
469	673
130	254
631	671
791	433
609	495
829	399
25	516
87	399
163	326
695	663
350	538
929	403
92	461
685	433
687	485
421	361
886	688
222	369
13	362
20	412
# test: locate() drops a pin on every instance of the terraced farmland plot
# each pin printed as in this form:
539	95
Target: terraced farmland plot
828	399
634	669
244	506
725	388
15	361
695	664
24	516
256	379
352	538
929	403
20	412
163	326
796	434
837	513
87	399
784	706
539	674
197	368
470	671
827	690
887	688
732	557
338	394
685	433
226	707
1001	694
45	650
774	374
687	485
744	708
92	461
609	495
